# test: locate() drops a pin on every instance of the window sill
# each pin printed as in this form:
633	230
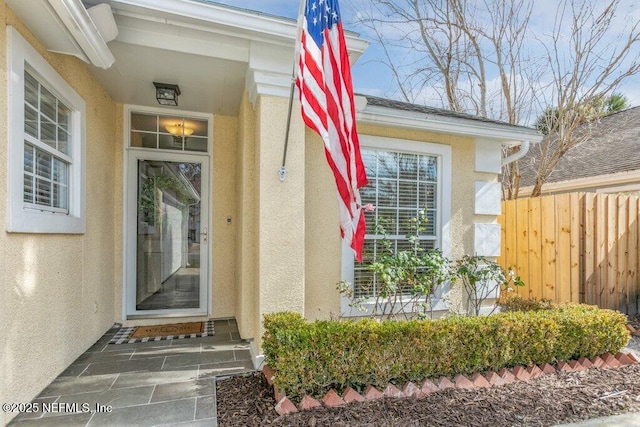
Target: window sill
44	222
440	305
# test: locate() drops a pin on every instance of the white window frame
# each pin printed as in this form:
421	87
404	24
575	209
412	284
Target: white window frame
443	213
23	217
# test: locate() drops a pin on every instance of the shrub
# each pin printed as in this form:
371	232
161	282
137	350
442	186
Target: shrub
313	357
517	303
481	279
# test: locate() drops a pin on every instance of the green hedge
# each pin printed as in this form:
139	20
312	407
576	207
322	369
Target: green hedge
313	357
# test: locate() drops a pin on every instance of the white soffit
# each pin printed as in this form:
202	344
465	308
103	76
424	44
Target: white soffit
64	26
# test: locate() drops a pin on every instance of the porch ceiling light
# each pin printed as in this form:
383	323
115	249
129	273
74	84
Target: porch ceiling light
167	94
179	130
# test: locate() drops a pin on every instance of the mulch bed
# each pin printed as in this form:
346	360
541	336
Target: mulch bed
551	399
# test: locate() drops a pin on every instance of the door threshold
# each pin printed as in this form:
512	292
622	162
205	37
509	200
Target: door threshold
165	316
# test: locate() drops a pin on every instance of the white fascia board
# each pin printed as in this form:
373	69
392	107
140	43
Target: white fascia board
78	23
452	125
64	26
220	19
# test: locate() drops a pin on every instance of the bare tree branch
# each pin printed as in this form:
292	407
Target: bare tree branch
485	58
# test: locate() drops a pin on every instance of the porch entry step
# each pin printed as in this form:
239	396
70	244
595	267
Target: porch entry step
133	334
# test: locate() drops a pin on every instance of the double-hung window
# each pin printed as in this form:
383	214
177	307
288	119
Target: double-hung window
46	145
405	179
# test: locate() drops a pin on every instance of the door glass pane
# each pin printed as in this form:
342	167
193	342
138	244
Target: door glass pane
168	235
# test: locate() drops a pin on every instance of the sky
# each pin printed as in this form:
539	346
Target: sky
371	77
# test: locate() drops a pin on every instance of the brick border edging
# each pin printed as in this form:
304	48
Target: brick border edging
491	379
633	331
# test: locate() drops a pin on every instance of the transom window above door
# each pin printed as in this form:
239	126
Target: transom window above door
168	132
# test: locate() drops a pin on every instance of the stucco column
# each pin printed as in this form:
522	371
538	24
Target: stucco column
281	210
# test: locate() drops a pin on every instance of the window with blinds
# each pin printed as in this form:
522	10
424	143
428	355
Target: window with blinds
400	186
47	155
46	123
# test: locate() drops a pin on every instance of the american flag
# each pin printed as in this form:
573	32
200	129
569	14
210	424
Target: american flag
326	94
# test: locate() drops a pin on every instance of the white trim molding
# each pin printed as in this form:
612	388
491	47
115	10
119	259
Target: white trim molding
487	198
20	218
500	133
486	240
488	156
222	19
65	26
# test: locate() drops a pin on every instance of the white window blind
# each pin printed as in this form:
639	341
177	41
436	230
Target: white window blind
46	148
400	185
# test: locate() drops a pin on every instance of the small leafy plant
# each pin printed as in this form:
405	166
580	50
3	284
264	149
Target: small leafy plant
406	281
482	279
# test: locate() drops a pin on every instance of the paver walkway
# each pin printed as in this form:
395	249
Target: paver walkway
170	382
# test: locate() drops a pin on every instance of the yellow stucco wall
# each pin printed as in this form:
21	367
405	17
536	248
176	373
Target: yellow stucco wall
247	226
270	237
323	246
58	290
224	206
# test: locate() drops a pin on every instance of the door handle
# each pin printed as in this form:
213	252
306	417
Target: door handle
205	234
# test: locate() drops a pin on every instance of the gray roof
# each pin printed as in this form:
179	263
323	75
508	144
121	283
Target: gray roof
613	146
406	106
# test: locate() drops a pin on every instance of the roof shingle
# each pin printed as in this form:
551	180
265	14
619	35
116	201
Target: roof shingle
613	146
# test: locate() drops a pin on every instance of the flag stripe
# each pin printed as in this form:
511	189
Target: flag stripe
324	85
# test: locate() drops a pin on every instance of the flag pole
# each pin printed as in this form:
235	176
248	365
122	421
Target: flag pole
282	172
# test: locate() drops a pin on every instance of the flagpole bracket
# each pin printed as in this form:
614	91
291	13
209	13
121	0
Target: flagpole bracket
282	173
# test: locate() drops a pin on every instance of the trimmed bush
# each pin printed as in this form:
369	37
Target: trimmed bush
517	303
313	357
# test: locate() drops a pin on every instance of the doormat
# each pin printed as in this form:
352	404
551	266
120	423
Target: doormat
133	334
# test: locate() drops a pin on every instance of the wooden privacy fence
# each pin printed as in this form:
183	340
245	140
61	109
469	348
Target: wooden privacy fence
578	247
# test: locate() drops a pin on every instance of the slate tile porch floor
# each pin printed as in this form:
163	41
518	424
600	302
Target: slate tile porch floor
170	382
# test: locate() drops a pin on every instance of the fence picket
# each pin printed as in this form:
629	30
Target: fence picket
632	282
575	237
620	300
612	252
522	253
535	246
548	233
563	248
600	251
589	276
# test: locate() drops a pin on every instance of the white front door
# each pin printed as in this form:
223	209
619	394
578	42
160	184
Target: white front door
167	237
